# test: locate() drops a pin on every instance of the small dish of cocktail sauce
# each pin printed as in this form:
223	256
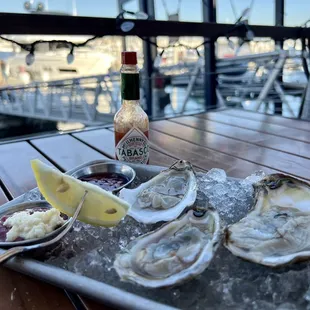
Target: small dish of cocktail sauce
110	176
110	181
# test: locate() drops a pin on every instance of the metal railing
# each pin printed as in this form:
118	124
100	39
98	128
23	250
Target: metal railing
93	100
89	100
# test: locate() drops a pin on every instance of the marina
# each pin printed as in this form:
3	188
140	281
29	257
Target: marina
93	100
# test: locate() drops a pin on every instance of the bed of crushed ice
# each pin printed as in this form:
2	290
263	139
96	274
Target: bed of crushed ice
228	283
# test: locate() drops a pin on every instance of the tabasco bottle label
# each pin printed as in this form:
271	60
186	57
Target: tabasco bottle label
133	147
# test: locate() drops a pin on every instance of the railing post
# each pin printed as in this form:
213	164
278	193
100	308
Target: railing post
209	15
33	105
98	92
279	21
149	52
272	76
72	98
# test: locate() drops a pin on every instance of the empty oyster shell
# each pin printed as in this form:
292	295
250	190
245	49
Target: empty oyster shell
172	254
164	197
277	231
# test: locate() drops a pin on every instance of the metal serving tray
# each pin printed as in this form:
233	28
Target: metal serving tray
96	290
228	283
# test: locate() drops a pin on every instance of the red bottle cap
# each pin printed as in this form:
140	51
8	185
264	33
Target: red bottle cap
129	58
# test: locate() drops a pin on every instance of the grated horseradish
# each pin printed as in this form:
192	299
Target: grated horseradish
31	226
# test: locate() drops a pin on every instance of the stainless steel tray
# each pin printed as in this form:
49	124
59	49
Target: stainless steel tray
96	290
228	283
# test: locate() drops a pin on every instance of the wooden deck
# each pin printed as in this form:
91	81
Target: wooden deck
238	141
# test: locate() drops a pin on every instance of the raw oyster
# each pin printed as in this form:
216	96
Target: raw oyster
164	197
277	231
172	254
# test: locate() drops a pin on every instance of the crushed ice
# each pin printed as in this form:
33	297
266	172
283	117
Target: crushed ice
231	197
228	283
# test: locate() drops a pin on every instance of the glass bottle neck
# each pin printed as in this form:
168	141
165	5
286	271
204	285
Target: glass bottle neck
130	84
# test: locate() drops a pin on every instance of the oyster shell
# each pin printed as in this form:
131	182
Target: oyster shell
172	254
164	197
277	231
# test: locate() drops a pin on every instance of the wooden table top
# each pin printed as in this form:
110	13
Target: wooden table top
237	141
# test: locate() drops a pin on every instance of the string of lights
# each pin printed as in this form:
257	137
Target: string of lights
249	36
126	26
31	47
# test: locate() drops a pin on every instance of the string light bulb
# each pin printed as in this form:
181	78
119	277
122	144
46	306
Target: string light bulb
141	15
157	60
249	35
30	58
127	26
70	57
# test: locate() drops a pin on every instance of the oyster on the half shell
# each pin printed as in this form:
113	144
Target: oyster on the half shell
277	231
164	197
172	254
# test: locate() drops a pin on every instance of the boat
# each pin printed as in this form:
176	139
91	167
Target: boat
52	65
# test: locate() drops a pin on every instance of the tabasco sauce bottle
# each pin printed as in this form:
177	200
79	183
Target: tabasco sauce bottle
131	123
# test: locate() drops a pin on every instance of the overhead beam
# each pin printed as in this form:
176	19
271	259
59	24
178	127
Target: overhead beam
11	23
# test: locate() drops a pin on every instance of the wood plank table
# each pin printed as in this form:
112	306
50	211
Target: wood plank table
237	141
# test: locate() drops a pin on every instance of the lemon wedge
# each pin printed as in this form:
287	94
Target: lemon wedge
64	193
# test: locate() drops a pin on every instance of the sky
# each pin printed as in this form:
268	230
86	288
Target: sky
262	13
